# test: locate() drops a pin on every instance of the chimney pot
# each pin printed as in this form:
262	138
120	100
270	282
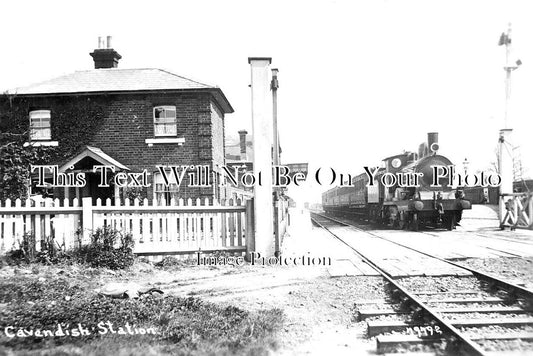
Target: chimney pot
105	57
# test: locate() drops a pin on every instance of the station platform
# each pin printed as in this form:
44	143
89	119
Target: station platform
398	261
478	237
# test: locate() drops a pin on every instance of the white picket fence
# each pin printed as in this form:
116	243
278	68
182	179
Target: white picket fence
180	227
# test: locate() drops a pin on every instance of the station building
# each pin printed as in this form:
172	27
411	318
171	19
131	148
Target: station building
132	119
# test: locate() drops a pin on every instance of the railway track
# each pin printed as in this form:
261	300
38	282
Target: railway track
480	234
476	314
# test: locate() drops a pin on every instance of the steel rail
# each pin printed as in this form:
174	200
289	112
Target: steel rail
431	233
479	234
497	238
454	336
524	292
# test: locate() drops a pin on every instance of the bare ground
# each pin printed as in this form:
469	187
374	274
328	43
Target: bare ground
318	309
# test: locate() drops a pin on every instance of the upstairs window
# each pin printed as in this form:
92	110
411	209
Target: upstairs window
40	125
165	121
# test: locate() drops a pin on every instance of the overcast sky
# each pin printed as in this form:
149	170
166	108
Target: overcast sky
359	80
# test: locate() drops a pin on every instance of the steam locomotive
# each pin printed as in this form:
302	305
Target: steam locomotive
399	206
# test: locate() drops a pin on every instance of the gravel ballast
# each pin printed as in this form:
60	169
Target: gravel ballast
512	269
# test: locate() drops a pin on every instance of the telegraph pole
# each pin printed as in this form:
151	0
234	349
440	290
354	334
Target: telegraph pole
505	151
274	85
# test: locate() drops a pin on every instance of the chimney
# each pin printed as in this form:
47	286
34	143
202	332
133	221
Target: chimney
242	136
433	142
105	56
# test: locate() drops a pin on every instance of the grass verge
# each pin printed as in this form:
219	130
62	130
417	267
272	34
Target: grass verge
152	325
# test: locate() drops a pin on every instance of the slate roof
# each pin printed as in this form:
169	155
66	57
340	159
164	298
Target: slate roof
120	80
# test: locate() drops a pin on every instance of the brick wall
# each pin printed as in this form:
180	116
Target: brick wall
217	135
128	123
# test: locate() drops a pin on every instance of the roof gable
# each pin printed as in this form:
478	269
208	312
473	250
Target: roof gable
96	154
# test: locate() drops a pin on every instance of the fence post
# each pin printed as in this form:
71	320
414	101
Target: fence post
87	218
250	229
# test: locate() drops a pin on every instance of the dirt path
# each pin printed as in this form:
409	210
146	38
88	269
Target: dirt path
318	308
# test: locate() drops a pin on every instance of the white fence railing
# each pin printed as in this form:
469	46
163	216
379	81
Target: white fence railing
180	227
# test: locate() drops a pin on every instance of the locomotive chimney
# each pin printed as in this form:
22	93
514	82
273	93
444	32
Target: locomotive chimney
433	142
